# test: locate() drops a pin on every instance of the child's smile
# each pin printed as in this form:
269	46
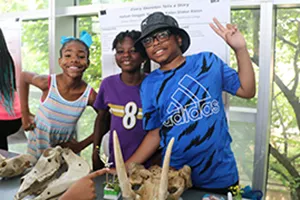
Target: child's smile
127	62
75	68
159	52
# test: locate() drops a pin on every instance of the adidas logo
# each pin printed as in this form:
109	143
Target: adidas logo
193	111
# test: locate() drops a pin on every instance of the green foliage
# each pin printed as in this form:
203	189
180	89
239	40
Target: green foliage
285	128
35	46
85	2
237	192
94	72
22	5
284	125
113	183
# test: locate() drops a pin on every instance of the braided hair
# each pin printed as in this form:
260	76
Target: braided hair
134	35
7	77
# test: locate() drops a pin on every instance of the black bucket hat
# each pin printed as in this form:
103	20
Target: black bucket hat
159	20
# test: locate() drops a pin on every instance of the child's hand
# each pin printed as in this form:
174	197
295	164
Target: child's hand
84	188
112	171
230	34
28	121
73	145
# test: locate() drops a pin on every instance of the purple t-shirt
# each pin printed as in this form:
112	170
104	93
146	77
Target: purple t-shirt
124	104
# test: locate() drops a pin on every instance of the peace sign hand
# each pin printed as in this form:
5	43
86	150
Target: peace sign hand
231	35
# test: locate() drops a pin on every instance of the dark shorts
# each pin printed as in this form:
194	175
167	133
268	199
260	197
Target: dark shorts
8	127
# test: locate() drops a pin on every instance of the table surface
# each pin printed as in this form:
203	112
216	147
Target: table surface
9	187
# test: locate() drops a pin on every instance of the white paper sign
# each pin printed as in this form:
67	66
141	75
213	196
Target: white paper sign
194	16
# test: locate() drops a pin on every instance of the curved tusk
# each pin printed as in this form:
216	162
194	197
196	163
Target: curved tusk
127	192
163	187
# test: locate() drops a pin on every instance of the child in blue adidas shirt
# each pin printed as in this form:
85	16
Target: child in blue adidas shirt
183	99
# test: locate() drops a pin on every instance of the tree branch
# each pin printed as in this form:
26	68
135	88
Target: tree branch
291	97
280	173
286	41
294	157
281	121
285	162
296	57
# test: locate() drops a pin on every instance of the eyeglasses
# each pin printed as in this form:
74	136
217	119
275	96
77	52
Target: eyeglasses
160	36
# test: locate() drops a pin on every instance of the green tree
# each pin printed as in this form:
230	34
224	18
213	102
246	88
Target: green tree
22	5
284	144
285	125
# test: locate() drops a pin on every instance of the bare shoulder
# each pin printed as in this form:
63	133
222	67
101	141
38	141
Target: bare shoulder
40	81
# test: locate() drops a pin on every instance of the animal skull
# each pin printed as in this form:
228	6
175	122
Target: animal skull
77	168
42	173
15	166
49	177
155	183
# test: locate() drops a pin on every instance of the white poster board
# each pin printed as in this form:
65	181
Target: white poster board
194	16
12	32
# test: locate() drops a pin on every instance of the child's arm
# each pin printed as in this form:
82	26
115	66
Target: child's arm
76	146
40	81
87	141
92	99
79	146
147	148
84	188
101	127
246	74
236	41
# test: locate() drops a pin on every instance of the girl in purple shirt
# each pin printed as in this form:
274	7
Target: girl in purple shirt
118	100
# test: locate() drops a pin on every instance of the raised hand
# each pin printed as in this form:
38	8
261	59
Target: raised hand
231	35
